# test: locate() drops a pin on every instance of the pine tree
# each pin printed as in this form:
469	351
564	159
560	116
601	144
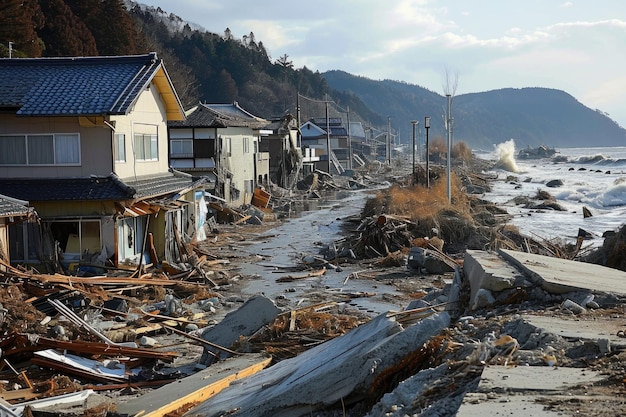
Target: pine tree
19	21
64	33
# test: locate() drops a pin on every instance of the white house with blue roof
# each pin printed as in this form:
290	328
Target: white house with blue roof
84	141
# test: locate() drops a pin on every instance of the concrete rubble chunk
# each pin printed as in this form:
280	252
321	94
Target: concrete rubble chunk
488	271
429	260
194	388
325	374
255	313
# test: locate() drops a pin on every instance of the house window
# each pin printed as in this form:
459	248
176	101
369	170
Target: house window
226	146
119	147
181	148
246	145
77	239
25	242
146	147
248	186
52	149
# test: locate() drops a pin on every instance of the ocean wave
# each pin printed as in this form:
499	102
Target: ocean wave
613	197
598	160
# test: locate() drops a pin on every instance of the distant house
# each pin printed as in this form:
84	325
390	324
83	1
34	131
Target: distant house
280	140
328	135
360	148
12	211
221	141
84	141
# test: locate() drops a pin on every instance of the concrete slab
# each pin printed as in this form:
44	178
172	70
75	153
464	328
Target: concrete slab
539	379
595	328
195	388
488	270
325	374
255	313
481	405
514	391
561	275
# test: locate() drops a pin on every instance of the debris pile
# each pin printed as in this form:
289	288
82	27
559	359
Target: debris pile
501	328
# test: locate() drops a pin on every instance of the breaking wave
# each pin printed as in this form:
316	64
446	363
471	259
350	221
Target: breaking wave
505	152
599	160
615	196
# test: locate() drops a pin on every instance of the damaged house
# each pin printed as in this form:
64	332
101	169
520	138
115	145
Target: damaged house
12	211
328	137
221	141
280	140
84	141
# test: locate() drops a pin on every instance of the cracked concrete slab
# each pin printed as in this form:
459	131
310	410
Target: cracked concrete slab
517	391
560	276
579	328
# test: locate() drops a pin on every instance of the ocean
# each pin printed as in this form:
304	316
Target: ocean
594	178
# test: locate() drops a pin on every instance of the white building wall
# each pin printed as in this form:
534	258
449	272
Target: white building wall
147	116
240	161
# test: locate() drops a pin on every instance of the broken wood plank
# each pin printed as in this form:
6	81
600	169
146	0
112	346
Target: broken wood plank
195	388
21	343
243	219
202	341
290	278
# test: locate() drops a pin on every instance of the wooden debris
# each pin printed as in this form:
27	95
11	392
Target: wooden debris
290	278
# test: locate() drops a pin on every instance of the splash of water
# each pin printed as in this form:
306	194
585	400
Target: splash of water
505	152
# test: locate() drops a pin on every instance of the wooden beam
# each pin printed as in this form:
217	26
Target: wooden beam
195	388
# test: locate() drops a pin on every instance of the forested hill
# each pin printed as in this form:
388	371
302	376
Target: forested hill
214	66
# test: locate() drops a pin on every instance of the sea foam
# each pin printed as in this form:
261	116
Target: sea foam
505	152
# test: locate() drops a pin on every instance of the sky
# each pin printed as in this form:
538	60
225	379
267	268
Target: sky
456	46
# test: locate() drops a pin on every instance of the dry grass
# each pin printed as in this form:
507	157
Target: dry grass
418	202
438	145
460	150
428	209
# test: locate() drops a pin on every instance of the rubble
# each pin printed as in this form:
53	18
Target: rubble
478	319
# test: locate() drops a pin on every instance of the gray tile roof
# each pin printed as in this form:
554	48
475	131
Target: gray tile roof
10	207
220	116
74	86
158	185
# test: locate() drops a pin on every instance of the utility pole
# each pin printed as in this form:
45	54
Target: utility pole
388	141
427	126
349	142
328	149
298	122
419	141
449	131
414	123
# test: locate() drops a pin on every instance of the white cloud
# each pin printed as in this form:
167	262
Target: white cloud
573	47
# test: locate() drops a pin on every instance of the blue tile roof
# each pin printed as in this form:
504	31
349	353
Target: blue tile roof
110	187
64	189
74	86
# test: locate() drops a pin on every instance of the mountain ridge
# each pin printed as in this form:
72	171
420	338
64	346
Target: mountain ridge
531	116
